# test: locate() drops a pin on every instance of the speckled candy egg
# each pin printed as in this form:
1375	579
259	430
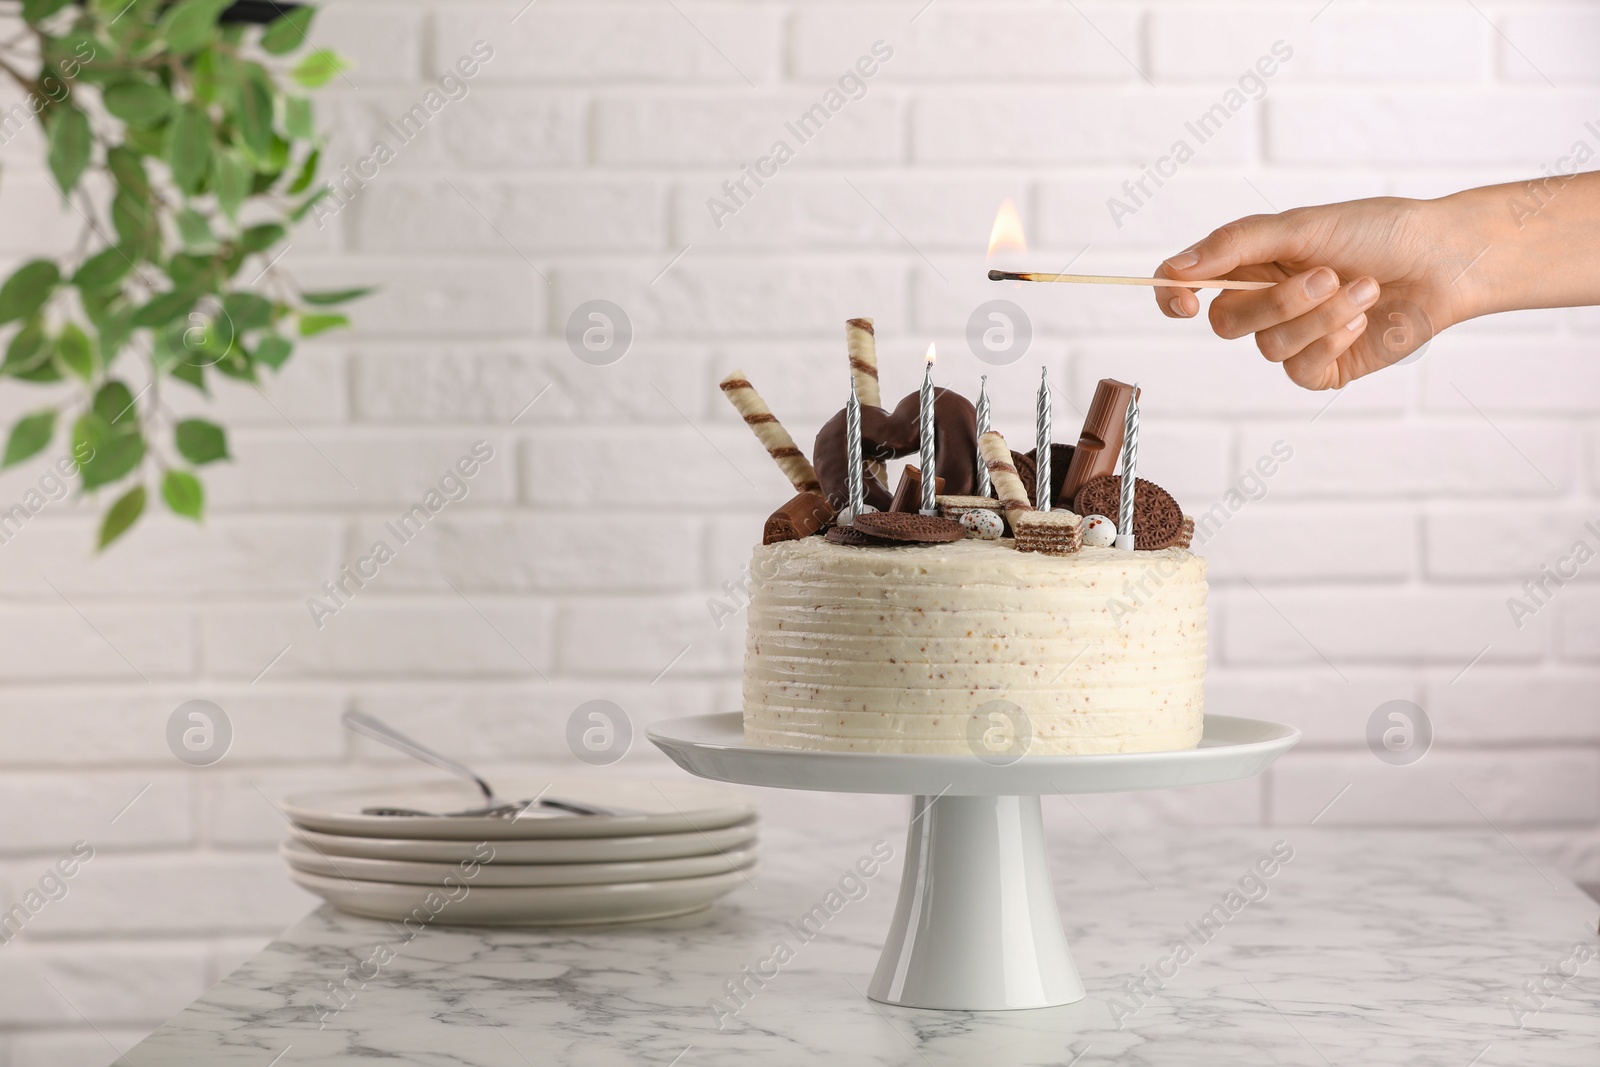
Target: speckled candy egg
1099	531
984	524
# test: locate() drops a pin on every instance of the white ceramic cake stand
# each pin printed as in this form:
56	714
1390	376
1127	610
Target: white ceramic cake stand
976	926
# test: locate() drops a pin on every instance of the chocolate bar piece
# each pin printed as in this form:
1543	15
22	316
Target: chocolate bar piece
908	494
1101	439
803	515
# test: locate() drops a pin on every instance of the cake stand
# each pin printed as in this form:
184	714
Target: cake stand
976	926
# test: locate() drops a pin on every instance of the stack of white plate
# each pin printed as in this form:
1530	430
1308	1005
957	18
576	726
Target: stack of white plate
670	848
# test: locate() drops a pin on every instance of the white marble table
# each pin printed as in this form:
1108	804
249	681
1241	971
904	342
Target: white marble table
1367	948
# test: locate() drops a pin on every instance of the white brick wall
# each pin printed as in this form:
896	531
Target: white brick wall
1375	564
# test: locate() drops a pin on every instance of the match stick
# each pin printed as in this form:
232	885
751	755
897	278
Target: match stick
1108	279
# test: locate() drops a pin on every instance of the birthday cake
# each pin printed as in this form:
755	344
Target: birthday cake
989	623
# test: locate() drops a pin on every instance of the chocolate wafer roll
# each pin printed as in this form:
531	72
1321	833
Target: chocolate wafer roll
862	343
1003	476
770	432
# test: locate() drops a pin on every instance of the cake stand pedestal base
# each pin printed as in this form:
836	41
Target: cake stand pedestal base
976	926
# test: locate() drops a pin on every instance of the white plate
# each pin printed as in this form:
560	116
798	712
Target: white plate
303	857
527	906
653	808
554	850
713	746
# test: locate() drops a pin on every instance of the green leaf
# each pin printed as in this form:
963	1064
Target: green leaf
136	225
37	10
192	373
164	308
139	103
273	350
308	173
70	144
247	311
75	351
123	514
308	203
188	148
201	442
260	238
30	436
334	296
230	180
114	324
297	116
195	231
318	68
113	406
30	349
26	291
254	110
311	325
183	493
189	25
287	32
103	269
111	455
128	168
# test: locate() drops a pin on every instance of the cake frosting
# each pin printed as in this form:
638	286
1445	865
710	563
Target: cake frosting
895	649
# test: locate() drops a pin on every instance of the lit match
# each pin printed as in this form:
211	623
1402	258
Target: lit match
1108	279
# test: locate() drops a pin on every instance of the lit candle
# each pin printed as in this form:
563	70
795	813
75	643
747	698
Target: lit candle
926	434
1130	472
983	428
852	449
1041	450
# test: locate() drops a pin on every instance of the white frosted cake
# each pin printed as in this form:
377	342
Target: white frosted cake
895	649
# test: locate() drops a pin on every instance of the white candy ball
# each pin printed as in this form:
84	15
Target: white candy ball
984	524
1099	532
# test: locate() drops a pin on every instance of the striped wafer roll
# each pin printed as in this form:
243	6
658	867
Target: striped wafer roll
770	432
1003	476
862	344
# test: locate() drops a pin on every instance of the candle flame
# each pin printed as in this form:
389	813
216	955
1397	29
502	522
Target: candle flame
931	356
1006	234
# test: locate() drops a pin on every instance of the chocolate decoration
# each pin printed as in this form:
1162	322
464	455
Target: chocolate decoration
906	526
1157	519
1060	463
908	494
1101	440
849	535
890	435
802	516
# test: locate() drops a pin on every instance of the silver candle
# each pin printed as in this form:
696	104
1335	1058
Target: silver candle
1041	453
983	428
926	435
852	449
1130	471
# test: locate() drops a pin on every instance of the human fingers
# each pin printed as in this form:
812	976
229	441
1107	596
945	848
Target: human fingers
1175	303
1237	312
1318	366
1241	243
1284	340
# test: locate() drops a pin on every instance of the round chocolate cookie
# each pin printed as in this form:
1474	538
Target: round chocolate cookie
1157	518
910	527
849	535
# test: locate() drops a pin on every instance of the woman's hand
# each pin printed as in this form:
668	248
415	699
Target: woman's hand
1361	285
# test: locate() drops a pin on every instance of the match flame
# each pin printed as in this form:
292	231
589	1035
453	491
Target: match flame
1006	234
931	356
